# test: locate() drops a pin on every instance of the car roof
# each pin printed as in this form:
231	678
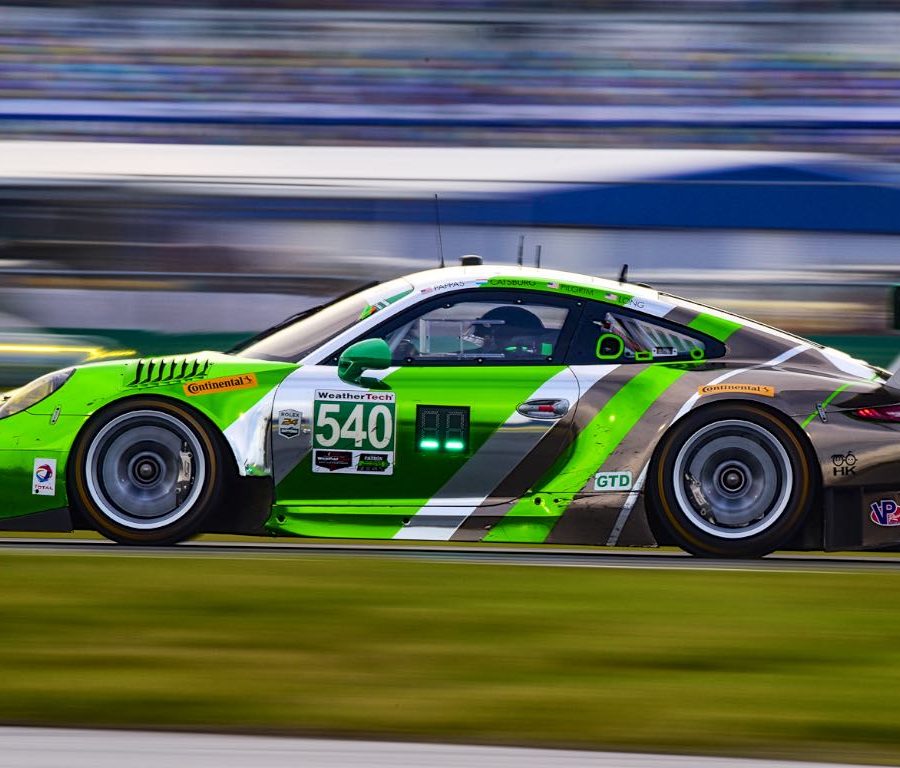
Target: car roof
435	278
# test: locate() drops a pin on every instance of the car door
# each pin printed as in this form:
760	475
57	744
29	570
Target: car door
477	383
631	369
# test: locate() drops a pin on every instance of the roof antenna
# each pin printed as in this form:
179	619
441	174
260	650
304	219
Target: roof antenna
521	249
537	256
437	218
623	275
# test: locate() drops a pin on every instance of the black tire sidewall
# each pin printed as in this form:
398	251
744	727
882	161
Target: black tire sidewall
699	542
187	525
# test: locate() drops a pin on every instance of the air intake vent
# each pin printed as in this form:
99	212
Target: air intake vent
153	372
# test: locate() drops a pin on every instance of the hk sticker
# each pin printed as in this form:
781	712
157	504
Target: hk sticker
612	481
289	423
885	512
844	464
43	478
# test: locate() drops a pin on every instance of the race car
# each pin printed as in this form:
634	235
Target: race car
473	403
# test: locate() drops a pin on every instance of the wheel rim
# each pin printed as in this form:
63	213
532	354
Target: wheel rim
145	469
733	479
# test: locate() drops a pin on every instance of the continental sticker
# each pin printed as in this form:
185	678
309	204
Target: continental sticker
222	384
353	432
737	389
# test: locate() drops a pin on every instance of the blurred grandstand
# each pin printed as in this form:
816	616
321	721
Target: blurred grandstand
756	74
118	229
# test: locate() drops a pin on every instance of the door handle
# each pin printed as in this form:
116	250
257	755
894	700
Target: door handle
544	409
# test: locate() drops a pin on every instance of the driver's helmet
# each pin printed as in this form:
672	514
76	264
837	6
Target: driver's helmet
502	327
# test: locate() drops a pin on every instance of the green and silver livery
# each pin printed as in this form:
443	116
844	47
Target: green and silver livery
473	404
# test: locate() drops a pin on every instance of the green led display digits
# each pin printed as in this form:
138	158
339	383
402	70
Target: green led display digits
442	429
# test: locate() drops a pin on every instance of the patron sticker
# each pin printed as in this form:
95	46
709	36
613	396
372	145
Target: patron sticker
43	478
737	389
353	432
222	384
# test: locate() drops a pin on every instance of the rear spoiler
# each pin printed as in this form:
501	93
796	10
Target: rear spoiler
894	381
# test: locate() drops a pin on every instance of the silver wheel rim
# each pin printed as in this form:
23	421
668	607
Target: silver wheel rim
145	469
733	479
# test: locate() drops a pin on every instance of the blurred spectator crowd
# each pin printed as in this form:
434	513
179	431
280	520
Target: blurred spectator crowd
799	76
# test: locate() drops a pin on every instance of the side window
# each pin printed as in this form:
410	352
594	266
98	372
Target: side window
610	335
485	329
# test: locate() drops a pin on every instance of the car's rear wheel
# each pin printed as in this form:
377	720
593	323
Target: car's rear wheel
147	471
731	481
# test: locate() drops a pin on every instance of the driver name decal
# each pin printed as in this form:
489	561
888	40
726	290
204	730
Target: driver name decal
353	432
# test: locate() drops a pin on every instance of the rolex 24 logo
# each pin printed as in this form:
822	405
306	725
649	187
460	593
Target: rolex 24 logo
885	512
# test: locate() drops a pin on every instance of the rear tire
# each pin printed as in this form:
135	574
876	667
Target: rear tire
147	471
731	481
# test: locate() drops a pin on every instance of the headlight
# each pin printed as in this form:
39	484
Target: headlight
24	397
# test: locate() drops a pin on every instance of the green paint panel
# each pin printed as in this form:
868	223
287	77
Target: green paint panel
29	435
717	327
491	392
592	448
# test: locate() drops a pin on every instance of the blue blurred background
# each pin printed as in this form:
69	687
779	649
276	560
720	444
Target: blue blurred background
175	176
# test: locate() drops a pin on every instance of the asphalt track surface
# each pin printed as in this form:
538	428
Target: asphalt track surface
561	557
60	748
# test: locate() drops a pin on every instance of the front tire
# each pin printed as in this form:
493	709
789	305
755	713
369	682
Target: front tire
731	481
146	471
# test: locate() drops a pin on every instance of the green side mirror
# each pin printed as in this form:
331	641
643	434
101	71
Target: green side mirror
368	354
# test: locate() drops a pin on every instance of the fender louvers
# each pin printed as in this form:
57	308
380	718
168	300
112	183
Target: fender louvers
151	371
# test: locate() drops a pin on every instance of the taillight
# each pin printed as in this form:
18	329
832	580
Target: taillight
885	413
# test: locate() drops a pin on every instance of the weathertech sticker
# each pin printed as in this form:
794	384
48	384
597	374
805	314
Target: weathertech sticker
353	432
43	477
737	389
209	386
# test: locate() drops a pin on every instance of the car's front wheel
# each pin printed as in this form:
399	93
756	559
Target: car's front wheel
731	481
146	471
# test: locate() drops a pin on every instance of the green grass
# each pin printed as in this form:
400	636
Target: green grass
753	663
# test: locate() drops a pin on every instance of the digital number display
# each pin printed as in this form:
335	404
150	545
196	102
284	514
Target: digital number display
442	429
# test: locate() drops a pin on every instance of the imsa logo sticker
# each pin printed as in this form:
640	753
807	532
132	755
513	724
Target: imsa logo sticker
289	423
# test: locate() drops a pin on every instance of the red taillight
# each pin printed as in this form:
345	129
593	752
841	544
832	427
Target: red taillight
885	413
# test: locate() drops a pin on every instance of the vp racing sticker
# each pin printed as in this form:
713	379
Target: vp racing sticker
354	432
885	512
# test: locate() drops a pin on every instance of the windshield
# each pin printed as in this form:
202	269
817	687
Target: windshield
296	340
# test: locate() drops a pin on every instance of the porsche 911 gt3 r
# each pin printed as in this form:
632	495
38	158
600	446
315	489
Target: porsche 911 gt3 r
473	403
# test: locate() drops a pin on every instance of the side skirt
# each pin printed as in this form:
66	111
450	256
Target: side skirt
53	520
